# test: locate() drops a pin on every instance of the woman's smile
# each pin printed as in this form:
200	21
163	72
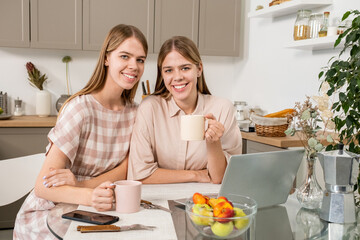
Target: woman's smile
180	88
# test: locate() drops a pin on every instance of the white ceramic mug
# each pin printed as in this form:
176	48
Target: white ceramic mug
192	127
127	196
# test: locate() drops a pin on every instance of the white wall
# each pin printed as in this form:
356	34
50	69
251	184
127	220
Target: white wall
265	75
274	77
13	79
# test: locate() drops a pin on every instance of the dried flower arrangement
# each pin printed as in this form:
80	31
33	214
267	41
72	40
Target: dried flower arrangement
36	79
307	117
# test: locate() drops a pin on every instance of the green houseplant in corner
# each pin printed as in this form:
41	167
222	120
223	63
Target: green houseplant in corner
343	77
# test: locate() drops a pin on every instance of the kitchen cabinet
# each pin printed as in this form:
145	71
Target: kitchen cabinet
14	23
83	24
56	24
256	147
18	142
24	135
214	26
219	27
53	24
252	143
101	15
174	18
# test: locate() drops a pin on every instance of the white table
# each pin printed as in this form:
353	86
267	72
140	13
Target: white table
281	222
157	194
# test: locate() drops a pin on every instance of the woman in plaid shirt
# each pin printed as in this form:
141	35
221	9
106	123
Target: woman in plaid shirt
90	142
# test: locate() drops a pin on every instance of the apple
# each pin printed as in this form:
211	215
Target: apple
204	210
214	201
224	198
198	198
222	229
240	223
223	210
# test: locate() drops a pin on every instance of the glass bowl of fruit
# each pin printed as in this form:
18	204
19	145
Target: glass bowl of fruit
221	217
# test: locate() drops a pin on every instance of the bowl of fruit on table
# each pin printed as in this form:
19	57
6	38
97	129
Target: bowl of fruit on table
221	218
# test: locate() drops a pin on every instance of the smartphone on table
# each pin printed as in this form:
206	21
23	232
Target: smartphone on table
90	217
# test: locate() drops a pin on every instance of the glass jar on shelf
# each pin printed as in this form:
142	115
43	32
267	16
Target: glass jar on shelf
324	27
315	22
301	26
332	28
342	26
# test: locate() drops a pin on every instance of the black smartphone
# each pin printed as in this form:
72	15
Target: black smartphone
90	217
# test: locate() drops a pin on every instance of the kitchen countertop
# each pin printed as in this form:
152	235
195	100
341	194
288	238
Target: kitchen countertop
282	142
35	121
29	121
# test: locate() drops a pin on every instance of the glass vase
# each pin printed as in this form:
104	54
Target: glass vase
310	194
61	101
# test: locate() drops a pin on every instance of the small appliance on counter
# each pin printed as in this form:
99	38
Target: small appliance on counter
4	102
340	173
243	116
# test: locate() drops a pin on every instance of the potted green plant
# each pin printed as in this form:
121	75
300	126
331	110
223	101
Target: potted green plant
343	77
63	97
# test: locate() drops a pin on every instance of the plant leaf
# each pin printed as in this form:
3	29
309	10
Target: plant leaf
318	147
346	15
342	97
312	142
329	139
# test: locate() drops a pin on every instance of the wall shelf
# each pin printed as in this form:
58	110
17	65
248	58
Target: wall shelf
288	8
314	44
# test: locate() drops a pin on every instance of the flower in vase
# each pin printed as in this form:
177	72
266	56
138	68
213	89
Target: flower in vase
34	76
66	60
311	122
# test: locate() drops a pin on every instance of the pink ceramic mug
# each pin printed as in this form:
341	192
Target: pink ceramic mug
127	196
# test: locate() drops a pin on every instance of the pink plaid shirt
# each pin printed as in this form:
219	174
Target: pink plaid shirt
94	138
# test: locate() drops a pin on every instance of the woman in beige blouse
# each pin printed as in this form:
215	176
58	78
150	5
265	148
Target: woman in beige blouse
157	153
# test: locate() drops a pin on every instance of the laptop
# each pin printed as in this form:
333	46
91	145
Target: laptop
265	177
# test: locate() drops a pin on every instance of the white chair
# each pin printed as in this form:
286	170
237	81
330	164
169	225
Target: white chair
17	179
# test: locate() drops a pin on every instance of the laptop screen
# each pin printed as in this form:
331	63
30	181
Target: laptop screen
266	177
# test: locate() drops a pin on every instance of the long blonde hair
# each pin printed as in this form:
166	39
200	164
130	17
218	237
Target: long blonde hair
188	50
116	36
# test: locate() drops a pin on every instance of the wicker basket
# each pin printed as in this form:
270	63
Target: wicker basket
271	131
270	127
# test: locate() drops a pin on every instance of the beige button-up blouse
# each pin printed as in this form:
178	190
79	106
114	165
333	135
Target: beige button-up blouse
156	141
